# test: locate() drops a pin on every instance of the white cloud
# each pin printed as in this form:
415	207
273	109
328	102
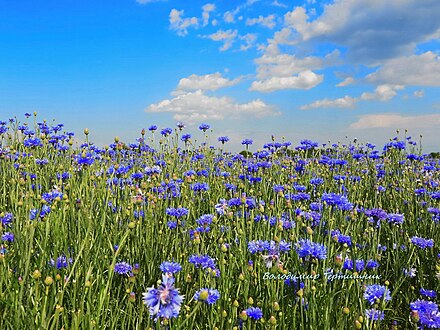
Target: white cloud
228	17
345	82
249	41
284	65
304	80
343	102
372	30
396	121
382	93
208	82
420	93
180	24
196	106
276	3
268	21
207	9
414	70
227	37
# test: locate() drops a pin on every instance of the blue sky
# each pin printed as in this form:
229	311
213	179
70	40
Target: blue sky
325	70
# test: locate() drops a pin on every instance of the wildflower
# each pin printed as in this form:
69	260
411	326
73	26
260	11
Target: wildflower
428	293
203	261
307	248
422	242
209	296
247	142
223	139
123	268
170	267
8	237
376	291
204	127
164	301
254	313
152	128
411	272
428	313
178	212
374	314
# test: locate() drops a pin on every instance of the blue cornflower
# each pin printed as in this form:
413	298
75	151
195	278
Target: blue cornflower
307	249
170	267
396	219
33	214
247	142
340	201
376	291
254	313
205	220
166	131
186	137
178	212
204	127
422	242
8	237
374	314
152	128
200	186
428	293
209	296
428	313
223	139
7	219
203	261
164	301
123	268
62	262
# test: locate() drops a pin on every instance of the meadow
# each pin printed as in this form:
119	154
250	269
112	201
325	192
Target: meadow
173	233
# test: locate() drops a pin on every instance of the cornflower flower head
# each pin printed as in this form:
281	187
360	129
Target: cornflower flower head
170	267
204	127
374	314
307	249
209	296
164	301
123	268
428	313
375	291
422	242
254	313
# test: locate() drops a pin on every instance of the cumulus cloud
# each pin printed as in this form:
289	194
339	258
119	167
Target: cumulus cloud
197	106
304	80
414	70
180	24
207	9
285	65
343	102
208	82
382	93
227	37
396	121
267	21
372	30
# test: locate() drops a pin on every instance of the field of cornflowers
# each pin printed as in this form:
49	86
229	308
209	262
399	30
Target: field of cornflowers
170	233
